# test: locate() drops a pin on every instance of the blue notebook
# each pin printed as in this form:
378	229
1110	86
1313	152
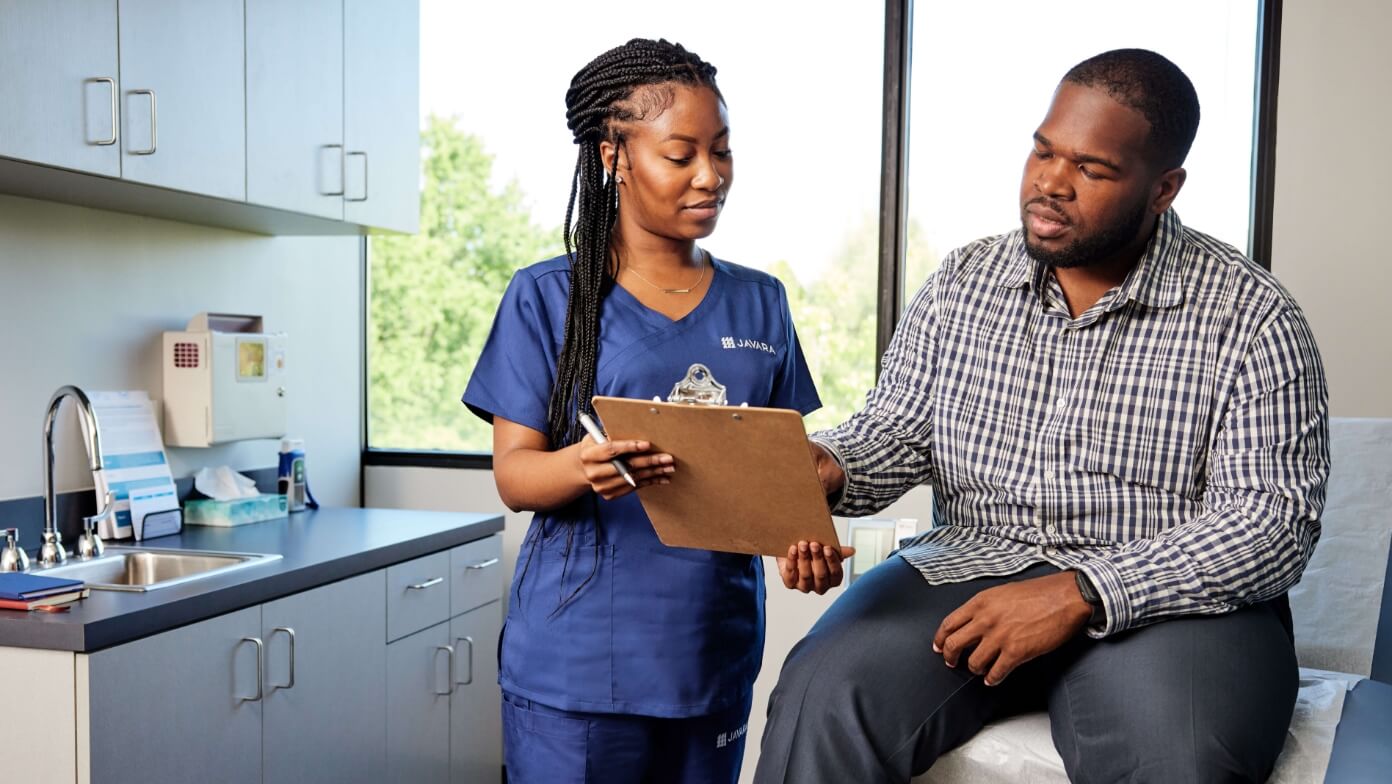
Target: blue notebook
21	587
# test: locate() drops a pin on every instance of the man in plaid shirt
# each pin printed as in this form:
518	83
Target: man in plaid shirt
1125	425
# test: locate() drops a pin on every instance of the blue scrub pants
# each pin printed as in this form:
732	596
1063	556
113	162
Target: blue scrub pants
544	744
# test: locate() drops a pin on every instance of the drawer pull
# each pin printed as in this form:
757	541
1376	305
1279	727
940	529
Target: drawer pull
426	584
483	564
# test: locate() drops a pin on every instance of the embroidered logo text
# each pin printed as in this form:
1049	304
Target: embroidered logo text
757	345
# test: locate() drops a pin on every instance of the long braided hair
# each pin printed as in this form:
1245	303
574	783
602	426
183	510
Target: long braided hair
614	88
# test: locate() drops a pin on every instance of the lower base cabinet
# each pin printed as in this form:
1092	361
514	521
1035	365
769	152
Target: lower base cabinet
301	689
180	706
418	707
476	721
325	708
444	721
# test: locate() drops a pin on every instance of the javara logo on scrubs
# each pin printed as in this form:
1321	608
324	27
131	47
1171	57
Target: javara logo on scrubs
728	342
726	738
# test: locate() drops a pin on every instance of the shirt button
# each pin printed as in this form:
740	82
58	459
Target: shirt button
1048	474
1051	528
1050	551
1062	403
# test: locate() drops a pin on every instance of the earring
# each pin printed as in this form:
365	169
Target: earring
618	178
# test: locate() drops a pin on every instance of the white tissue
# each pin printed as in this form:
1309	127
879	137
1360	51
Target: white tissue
223	484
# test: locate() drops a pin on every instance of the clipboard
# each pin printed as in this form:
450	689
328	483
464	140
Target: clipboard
745	481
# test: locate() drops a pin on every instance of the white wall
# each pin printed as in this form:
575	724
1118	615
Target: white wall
1330	242
85	294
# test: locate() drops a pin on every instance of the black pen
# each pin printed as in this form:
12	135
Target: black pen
598	436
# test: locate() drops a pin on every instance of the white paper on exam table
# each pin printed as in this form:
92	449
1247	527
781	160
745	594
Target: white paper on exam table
133	459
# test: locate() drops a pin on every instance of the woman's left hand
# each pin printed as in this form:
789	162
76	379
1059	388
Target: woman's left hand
813	567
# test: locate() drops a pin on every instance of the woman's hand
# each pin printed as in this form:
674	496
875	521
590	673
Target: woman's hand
811	566
601	475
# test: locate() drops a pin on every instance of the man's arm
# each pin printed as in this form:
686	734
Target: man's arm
1267	468
882	451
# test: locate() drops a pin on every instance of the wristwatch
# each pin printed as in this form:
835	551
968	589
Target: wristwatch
1090	595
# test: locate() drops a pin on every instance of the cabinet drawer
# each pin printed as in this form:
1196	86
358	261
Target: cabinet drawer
418	594
476	574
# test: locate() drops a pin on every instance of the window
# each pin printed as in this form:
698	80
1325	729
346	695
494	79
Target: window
497	160
806	94
977	98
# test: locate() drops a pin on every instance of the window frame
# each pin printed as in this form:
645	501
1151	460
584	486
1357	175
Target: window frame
893	210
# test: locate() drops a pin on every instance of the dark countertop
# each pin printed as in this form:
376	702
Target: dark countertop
316	548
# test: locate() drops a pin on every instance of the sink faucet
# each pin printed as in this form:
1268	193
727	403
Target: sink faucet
52	552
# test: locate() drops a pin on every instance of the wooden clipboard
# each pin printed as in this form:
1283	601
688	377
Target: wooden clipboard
745	481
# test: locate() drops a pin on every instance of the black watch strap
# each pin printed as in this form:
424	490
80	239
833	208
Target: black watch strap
1092	597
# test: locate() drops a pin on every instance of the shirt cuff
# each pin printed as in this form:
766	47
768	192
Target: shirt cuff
834	498
1115	603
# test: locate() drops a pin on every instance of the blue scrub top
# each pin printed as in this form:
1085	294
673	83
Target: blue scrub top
603	617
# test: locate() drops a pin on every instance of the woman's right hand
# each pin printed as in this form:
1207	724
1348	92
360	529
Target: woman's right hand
604	479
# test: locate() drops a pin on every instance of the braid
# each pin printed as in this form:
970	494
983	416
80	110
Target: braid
604	94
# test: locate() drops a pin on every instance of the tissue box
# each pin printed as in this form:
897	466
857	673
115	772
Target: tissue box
238	511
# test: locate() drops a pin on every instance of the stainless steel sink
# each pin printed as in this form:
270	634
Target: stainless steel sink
145	569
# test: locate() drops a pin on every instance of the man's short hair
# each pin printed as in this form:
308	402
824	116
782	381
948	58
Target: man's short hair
1153	86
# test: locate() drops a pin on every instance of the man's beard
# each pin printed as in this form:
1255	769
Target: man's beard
1088	251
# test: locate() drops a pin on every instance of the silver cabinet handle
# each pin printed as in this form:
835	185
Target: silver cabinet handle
260	669
426	584
469	640
111	85
483	564
291	632
342	173
345	181
449	649
154	119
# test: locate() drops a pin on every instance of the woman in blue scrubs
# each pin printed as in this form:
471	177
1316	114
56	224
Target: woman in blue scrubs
622	659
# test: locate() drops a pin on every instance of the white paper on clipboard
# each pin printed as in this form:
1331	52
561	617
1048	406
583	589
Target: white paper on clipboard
134	462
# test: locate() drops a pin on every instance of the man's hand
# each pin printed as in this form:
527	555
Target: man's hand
1013	623
810	566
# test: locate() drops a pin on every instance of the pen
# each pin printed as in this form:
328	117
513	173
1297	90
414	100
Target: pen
598	436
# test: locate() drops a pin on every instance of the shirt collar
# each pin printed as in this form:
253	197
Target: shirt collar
1155	281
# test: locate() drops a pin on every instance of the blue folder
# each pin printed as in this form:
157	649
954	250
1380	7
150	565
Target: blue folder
21	587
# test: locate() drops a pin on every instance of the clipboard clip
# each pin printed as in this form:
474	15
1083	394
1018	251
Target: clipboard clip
699	388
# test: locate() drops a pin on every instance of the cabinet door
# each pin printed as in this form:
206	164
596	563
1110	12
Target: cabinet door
325	711
381	64
294	105
183	97
58	84
179	706
418	707
476	727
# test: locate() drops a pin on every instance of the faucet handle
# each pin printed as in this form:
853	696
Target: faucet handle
89	544
13	558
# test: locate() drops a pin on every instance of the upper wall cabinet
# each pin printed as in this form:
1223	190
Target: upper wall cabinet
271	116
183	96
59	85
295	155
381	113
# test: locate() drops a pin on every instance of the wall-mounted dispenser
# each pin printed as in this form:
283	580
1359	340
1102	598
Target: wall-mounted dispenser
224	380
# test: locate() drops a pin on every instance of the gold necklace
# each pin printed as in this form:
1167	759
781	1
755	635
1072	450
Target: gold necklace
686	290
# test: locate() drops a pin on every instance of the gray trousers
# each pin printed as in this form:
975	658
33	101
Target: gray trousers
863	698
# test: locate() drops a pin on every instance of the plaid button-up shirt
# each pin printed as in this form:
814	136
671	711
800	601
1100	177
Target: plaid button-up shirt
1170	442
